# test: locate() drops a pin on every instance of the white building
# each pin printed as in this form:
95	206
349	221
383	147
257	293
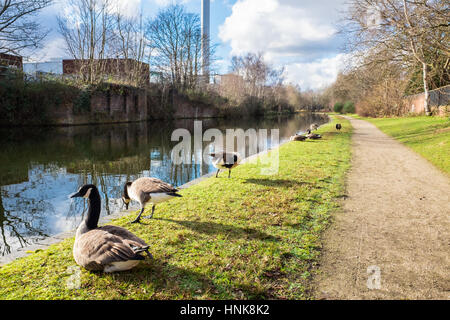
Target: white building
53	66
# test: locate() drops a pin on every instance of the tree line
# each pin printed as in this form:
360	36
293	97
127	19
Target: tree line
108	46
397	48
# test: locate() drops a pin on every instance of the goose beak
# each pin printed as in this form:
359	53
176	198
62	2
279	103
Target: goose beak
76	195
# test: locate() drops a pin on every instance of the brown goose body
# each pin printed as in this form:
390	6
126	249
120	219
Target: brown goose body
106	248
225	160
313	136
298	137
148	190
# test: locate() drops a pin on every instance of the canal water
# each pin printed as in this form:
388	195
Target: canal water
40	167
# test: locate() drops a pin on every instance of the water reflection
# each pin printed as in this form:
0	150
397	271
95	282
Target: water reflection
41	167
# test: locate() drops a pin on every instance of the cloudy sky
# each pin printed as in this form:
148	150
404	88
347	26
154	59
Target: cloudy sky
297	34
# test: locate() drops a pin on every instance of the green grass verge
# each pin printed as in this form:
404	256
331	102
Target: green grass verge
428	136
253	236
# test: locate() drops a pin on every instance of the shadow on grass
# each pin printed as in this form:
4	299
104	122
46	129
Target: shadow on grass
278	182
213	228
168	281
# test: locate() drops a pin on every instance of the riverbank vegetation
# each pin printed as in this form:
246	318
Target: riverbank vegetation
253	236
395	49
161	54
428	136
31	102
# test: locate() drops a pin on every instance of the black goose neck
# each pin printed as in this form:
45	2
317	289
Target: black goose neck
125	190
93	214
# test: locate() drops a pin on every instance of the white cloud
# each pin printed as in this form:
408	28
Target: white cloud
316	74
297	34
129	8
273	26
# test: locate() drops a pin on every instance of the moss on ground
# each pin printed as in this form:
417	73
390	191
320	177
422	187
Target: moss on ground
253	236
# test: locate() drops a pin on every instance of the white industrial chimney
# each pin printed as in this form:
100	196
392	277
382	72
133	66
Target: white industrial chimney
205	40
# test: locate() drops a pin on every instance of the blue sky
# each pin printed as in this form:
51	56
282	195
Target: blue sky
299	35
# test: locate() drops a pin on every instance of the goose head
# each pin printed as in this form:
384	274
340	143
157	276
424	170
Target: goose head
90	192
86	192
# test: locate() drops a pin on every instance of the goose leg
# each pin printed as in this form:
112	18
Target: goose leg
229	173
149	254
217	172
138	219
153	210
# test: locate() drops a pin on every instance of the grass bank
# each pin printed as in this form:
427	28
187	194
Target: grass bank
428	136
253	236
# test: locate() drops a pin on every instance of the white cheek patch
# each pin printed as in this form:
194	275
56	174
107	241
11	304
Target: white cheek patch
88	193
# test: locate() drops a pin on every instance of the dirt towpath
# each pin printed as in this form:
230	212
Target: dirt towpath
392	239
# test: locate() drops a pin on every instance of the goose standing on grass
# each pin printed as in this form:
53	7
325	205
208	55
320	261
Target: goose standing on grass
298	137
313	135
148	190
107	248
314	126
225	160
338	126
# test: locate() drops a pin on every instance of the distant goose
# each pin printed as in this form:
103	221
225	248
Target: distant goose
298	137
148	190
313	135
225	160
107	248
314	126
338	126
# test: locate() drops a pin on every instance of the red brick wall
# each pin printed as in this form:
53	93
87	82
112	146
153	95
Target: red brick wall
10	60
438	99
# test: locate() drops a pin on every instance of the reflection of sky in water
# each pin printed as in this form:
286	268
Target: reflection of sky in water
38	204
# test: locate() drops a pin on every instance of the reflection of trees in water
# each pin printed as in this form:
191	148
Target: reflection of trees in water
24	228
36	163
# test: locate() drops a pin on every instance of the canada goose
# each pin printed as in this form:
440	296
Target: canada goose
298	137
314	126
225	160
107	248
338	126
146	190
313	135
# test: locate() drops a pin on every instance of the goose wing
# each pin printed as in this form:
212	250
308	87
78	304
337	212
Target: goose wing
99	247
153	185
125	235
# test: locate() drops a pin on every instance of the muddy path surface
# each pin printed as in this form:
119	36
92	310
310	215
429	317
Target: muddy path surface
392	238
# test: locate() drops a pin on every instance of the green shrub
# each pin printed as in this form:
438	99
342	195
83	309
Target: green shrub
82	102
349	107
25	101
338	106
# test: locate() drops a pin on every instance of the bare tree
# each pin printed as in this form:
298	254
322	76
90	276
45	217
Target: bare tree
403	32
254	71
175	38
130	45
17	30
87	32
